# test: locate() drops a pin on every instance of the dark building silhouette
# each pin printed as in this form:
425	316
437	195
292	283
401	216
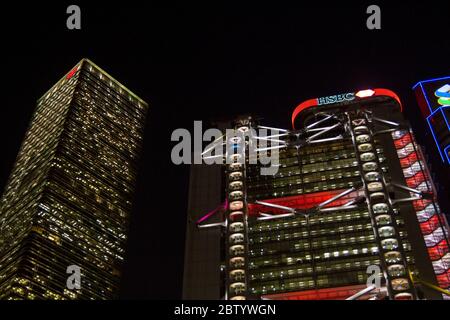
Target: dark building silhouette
69	197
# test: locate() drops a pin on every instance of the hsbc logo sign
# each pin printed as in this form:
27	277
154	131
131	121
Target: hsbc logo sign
336	98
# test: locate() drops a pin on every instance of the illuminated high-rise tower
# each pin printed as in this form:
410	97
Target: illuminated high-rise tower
352	197
69	197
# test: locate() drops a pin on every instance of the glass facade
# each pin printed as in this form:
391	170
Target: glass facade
69	197
328	249
433	224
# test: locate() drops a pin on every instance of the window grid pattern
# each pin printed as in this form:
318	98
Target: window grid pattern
70	193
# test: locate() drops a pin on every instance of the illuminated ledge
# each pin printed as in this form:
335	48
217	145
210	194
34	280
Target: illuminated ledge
337	293
348	98
103	72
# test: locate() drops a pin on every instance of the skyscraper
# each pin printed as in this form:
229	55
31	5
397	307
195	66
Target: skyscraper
352	198
67	203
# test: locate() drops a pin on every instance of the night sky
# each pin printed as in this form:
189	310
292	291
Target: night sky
209	62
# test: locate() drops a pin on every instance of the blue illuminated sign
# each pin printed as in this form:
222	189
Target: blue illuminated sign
433	97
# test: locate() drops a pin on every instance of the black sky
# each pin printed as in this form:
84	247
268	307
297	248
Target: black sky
204	62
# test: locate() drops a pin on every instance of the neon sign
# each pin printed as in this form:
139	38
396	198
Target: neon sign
72	72
433	97
336	98
343	98
443	95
